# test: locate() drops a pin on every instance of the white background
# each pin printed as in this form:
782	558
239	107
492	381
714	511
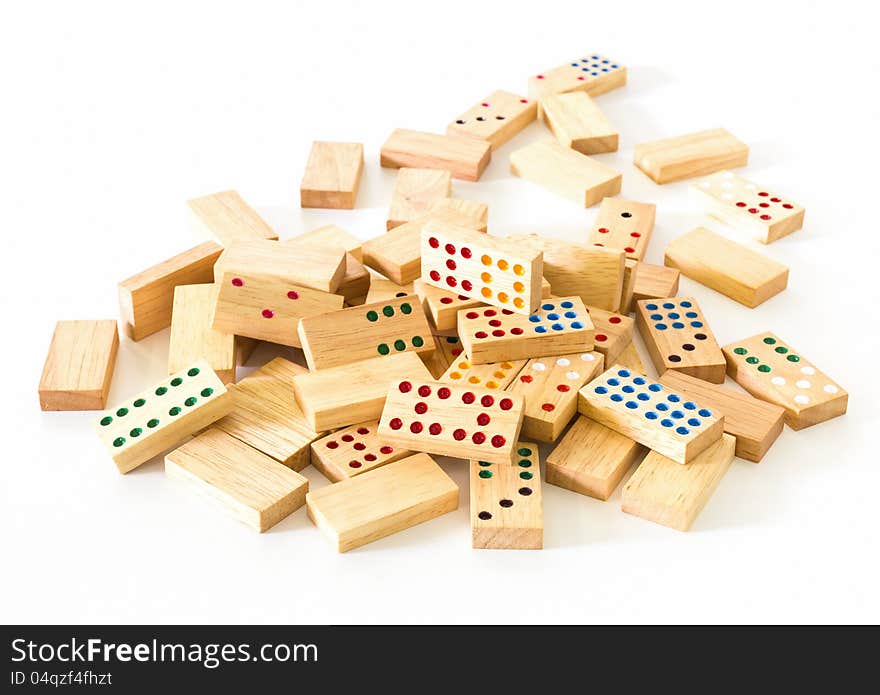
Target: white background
112	118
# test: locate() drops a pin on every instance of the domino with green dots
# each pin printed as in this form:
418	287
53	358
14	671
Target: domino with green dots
163	416
365	332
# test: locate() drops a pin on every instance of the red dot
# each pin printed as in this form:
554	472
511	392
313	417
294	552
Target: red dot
333	445
446	300
416	427
478	438
395	423
490	312
421	408
347	438
764	205
360	446
481	335
635	235
472	315
498	441
435	428
450	248
355	464
451	281
405	387
526	379
487	401
516	331
581	78
614	319
506	312
484	104
601	337
598	244
563	388
549	407
267	313
443	392
740	204
603	230
434	275
540	77
787	206
424	391
775	200
467	286
629	249
237	282
765	217
456	352
459	434
463	297
523	101
293	294
467	398
763	194
495	323
753	210
434	242
450	264
363	430
465	252
386	450
483	419
505	404
498	333
370	457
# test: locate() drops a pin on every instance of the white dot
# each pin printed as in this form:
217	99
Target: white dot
727	196
801	399
727	185
539	366
777	381
809	371
727	174
571	375
803	384
706	184
588	357
750	187
563	361
830	388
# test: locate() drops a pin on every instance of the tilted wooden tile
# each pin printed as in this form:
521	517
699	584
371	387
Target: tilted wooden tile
565	172
79	365
332	176
362	332
391	498
549	387
341	396
614	332
495	119
592	73
687	156
382	290
678	337
330	235
228	218
506	502
755	423
625	225
591	459
630	272
163	416
631	360
577	122
772	370
463	157
357	282
650	413
741	203
673	495
266	415
726	267
449	349
257	490
461	421
449	209
353	450
655	282
415	191
146	299
495	375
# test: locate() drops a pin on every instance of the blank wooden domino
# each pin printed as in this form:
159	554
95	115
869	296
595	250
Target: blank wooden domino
755	423
163	416
330	235
549	387
356	284
650	413
493	270
630	359
625	225
591	459
257	490
495	375
392	498
687	156
614	332
450	420
450	209
341	396
592	73
146	299
577	122
560	325
362	332
79	365
382	290
741	203
267	417
332	176
565	172
228	218
495	119
353	450
673	495
415	191
678	337
655	282
726	267
772	370
628	287
506	502
463	157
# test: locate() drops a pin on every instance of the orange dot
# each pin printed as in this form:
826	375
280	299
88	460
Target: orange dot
499	374
506	365
519	287
486	277
502	264
474	380
518	302
463	365
486	292
487	260
491	385
518	269
455	375
502	297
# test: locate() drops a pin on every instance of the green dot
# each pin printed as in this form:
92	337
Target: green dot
119	441
399	345
152	423
417	341
764	368
193	372
793	358
406	308
139	402
189	402
525	475
485	474
383	349
106	420
452	340
136	432
524	451
484	463
161	391
781	350
524	463
176	381
207	392
770	341
122	412
740	351
372	316
174	411
388	311
752	360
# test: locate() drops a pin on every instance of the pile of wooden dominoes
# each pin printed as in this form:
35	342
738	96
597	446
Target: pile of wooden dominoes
470	345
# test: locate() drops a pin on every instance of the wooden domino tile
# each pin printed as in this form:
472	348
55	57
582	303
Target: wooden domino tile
592	73
673	495
496	375
146	299
655	282
267	417
493	270
495	119
382	290
453	209
332	176
162	416
591	459
256	490
630	359
353	450
391	498
448	349
559	326
228	218
356	284
772	370
755	423
577	122
679	338
726	267
359	333
549	387
415	191
506	502
650	413
463	157
341	396
614	332
628	287
741	203
449	420
565	172
330	235
625	225
687	156
79	365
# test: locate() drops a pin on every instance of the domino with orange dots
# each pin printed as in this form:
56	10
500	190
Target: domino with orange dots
495	375
460	421
495	119
353	450
613	332
592	73
625	225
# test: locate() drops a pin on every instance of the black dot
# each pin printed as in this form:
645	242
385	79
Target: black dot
499	118
480	118
688	347
506	503
525	491
674	358
460	122
400	294
485	516
700	336
626	214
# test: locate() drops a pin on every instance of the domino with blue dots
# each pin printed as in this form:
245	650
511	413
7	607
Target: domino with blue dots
560	326
679	338
592	73
650	413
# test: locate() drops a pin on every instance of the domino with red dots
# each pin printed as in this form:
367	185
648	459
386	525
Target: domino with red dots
353	450
741	203
496	119
625	225
560	325
496	375
458	421
476	265
613	332
550	387
592	73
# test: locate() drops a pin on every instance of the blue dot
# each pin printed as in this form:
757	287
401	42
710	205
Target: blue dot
557	327
639	381
691	314
605	61
674	397
577	325
678	324
548	307
643	397
601	390
656	317
693	422
604	69
705	413
651	307
585	60
594	74
540	329
615	66
534	318
660	326
628	389
566	305
570	314
616	397
686	305
666	423
668	305
574	65
595	57
624	373
677	414
651	415
697	324
614	382
585	69
673	315
552	317
662	407
682	430
632	405
655	388
690	406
